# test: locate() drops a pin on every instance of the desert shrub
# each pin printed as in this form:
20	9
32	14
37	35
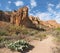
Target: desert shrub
12	28
33	32
57	42
3	32
57	38
2	39
18	29
57	29
19	45
56	34
25	31
41	36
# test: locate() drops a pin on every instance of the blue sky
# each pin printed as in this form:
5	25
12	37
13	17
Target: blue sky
44	9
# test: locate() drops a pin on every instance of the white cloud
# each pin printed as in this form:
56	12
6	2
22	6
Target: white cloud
58	6
49	8
44	16
9	2
50	5
51	14
19	3
57	17
33	3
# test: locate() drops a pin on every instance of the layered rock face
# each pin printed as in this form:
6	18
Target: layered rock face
4	16
49	24
20	17
53	23
34	20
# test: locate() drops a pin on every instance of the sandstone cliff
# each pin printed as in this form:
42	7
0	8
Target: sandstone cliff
4	16
20	17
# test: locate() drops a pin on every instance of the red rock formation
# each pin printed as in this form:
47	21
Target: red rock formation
4	16
53	23
12	18
50	24
20	17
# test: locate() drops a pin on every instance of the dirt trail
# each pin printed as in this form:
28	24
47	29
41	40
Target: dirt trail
44	46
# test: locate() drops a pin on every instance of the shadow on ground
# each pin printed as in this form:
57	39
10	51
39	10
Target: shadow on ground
27	50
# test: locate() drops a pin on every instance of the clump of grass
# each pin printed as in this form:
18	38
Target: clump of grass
57	42
57	29
57	39
41	36
3	32
18	29
13	28
33	32
56	35
2	39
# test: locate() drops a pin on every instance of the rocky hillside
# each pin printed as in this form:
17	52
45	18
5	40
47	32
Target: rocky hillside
20	17
50	23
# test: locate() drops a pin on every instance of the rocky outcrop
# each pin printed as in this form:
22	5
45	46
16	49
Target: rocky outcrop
53	23
20	17
4	16
13	17
34	20
49	24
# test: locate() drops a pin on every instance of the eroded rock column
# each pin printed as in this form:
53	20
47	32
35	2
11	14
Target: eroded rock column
25	16
13	17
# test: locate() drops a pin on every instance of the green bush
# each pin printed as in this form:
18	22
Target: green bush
57	39
33	32
18	29
2	39
41	36
3	32
19	45
57	29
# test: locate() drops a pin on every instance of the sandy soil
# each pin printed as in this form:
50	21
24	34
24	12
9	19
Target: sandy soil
44	46
5	50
